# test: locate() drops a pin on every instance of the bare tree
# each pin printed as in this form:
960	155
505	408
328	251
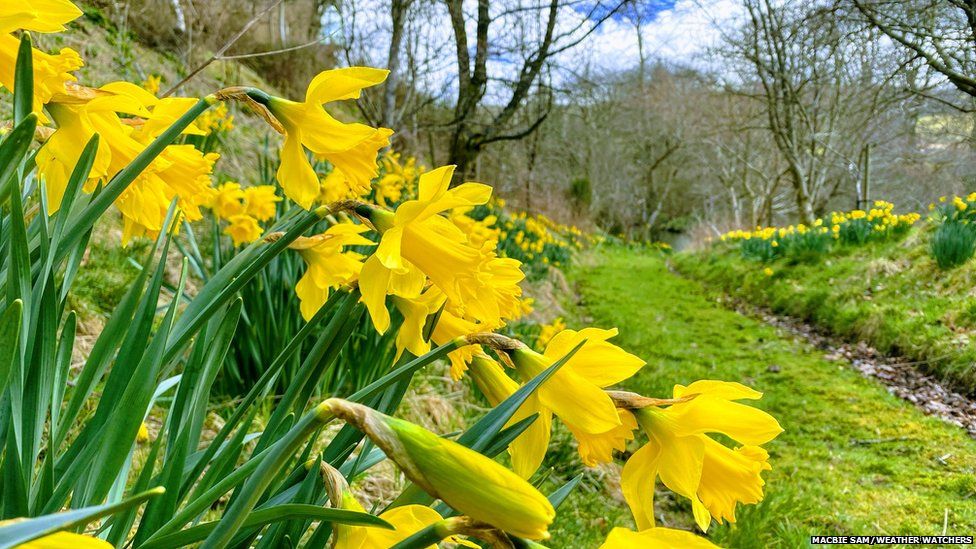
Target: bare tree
807	67
529	34
941	33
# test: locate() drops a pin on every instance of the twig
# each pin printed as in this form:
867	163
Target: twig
271	52
220	52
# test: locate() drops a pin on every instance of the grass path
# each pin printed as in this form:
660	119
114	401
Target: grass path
853	459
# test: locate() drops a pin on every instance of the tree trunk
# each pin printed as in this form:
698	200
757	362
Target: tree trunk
398	12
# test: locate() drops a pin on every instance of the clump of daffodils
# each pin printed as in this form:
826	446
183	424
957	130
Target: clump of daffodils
243	209
955	208
854	227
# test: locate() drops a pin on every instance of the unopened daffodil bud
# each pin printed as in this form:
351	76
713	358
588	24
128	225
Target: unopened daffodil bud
469	482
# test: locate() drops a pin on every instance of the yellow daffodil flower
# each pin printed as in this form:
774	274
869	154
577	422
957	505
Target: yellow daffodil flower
143	434
243	229
714	477
51	71
575	392
547	331
228	200
469	482
352	148
151	83
417	241
37	15
406	521
328	266
180	172
655	538
259	202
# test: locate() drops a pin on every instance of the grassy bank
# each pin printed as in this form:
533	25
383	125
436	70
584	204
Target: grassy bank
890	295
853	459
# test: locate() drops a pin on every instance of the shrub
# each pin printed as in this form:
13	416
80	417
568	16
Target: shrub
953	243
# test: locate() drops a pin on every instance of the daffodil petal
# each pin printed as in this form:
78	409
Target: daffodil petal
637	484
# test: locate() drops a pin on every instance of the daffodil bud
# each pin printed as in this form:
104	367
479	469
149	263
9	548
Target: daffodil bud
469	482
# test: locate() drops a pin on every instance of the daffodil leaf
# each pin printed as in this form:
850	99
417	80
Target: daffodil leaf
9	338
12	152
559	495
24	80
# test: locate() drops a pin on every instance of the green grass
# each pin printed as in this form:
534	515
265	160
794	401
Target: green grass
853	459
891	295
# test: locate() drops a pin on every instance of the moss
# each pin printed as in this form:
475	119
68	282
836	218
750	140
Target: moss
890	295
852	459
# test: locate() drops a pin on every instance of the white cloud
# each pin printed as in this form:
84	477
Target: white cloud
681	35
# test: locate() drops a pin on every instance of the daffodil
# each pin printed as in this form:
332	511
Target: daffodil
37	15
469	482
180	172
406	521
547	331
143	434
655	538
328	265
574	393
417	242
352	148
151	83
51	71
259	202
228	200
243	229
690	463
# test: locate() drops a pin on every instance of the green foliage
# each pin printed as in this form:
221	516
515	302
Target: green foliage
953	243
581	193
759	249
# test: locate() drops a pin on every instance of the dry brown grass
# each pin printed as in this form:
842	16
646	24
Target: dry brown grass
209	24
